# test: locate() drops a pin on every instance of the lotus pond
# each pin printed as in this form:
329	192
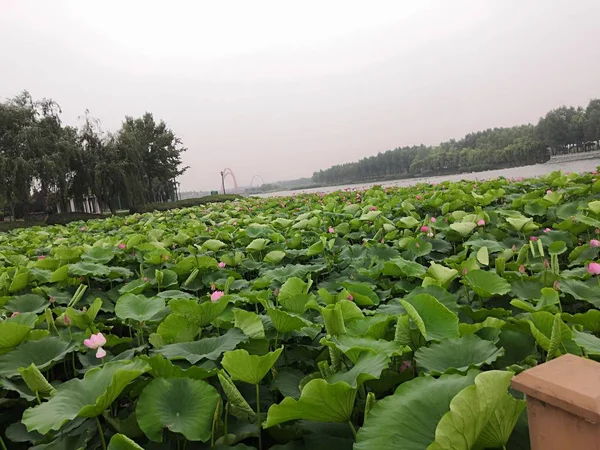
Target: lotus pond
379	319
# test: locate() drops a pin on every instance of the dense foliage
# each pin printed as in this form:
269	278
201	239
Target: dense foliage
43	163
379	319
563	130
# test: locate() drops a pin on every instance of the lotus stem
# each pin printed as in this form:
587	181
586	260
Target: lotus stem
258	422
352	429
101	432
2	444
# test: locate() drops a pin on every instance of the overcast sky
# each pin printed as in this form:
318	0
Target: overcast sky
281	88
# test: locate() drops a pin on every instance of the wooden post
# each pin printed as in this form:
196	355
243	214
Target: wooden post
563	403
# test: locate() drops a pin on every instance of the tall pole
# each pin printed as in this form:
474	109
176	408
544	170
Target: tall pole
223	181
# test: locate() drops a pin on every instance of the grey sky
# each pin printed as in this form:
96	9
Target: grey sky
280	88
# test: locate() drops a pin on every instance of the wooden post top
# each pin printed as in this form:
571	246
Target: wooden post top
569	382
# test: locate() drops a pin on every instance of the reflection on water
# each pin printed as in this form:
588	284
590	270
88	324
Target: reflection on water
526	171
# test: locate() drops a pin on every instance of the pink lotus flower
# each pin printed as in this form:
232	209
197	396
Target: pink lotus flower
95	341
424	229
222	265
547	230
432	219
481	222
101	353
522	268
350	297
67	320
122	246
82	229
331	230
464	271
556	285
549	191
594	243
593	268
533	238
235	224
41	257
418	197
215	296
16	313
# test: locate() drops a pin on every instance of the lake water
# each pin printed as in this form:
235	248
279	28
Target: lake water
584	165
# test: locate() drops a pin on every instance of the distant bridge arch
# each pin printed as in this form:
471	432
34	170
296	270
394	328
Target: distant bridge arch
224	174
262	181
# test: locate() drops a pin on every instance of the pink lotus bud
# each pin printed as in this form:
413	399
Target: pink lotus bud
594	243
41	257
101	353
276	292
52	299
331	230
67	320
95	341
373	208
593	268
145	279
16	313
522	268
464	271
222	265
82	229
424	229
481	222
350	297
432	220
546	263
533	238
418	197
514	248
215	296
549	191
547	230
556	285
122	246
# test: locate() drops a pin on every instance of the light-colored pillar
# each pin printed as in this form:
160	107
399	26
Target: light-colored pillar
563	403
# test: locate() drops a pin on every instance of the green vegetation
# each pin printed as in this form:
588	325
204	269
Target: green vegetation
43	164
561	131
187	203
367	320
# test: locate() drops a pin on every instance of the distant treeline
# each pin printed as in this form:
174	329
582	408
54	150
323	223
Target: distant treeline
561	131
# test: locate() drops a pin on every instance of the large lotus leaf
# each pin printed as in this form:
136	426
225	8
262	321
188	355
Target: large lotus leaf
88	269
43	353
368	367
12	334
172	294
434	320
160	367
457	355
353	346
319	401
250	323
257	245
363	295
214	245
35	381
199	313
138	307
98	255
463	228
582	291
83	319
518	222
408	419
589	342
487	284
181	405
134	287
442	274
293	295
541	324
174	328
87	397
206	348
399	267
243	366
471	410
238	406
371	326
27	303
122	442
284	322
590	320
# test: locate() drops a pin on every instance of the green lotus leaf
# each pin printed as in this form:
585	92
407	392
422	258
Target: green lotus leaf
87	397
353	346
408	419
181	405
201	314
590	320
172	294
214	245
274	257
250	323
122	442
589	342
88	269
35	381
284	322
138	307
12	334
42	353
83	319
582	291
483	256
487	284
319	401
134	287
399	267
434	320
98	255
363	295
442	274
239	407
463	228
541	324
27	303
368	367
160	367
248	368
471	412
206	348
457	355
174	328
257	245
